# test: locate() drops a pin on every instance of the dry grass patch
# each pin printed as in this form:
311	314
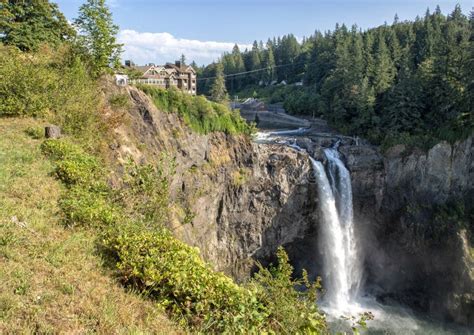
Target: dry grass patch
52	279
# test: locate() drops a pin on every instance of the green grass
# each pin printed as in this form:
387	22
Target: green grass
200	114
52	279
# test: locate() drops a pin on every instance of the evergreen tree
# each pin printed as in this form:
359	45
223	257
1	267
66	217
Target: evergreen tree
368	57
415	78
98	34
404	106
394	47
269	74
183	59
28	23
356	70
384	68
239	67
255	62
218	89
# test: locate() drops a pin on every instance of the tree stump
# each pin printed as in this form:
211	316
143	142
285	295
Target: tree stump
52	132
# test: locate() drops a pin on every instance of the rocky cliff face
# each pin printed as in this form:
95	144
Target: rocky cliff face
415	214
240	200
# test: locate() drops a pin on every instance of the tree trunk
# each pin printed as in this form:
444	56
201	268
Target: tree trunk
52	132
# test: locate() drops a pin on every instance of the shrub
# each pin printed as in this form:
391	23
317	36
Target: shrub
92	209
198	113
52	84
145	193
35	132
73	165
290	304
166	269
86	202
172	272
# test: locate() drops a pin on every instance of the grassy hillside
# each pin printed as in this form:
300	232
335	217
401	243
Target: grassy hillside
67	231
51	277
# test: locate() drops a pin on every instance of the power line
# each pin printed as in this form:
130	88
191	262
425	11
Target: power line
253	71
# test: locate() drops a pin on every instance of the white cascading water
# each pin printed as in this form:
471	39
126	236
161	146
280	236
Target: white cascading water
342	264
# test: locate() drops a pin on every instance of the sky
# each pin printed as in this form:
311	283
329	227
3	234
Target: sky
159	31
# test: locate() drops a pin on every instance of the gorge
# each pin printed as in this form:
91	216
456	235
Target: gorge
343	258
248	198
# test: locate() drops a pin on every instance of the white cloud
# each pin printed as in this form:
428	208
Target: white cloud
163	47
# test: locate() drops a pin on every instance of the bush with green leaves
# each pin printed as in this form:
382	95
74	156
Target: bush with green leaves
198	113
84	207
35	132
145	191
86	202
290	303
173	273
74	166
50	84
155	262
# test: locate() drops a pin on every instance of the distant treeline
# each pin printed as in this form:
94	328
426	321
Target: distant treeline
408	82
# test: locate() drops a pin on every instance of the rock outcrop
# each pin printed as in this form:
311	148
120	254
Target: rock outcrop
414	212
242	200
238	201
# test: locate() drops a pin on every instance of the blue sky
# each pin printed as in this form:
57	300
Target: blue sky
159	31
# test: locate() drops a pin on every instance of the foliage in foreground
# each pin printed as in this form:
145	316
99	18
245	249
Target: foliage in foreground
173	273
51	279
149	259
51	84
197	112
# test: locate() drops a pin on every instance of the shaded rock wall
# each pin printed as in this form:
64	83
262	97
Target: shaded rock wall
414	213
245	199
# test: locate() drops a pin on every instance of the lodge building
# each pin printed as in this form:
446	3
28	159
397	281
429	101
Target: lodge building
176	75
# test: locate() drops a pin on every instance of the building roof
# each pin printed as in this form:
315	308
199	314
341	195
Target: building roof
143	69
171	70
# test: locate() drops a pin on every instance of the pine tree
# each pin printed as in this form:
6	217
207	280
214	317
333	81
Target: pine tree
356	56
394	47
384	68
368	57
255	62
404	106
27	24
239	67
183	59
269	74
98	34
218	89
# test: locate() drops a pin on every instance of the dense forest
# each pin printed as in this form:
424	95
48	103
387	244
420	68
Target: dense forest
408	82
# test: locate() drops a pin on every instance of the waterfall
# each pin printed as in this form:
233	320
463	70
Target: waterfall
341	262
